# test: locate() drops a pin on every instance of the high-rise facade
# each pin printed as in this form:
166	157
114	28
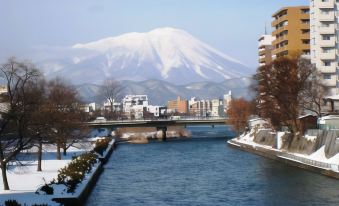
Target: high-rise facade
265	49
324	41
291	31
179	105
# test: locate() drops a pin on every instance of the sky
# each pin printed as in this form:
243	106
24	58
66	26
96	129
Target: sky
231	26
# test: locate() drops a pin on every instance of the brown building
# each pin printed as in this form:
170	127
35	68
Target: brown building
292	31
179	105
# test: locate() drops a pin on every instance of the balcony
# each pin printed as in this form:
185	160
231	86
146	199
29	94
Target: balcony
327	43
277	41
305	26
262	52
328	56
305	36
279	20
328	69
279	30
327	17
279	50
262	60
330	82
325	5
327	30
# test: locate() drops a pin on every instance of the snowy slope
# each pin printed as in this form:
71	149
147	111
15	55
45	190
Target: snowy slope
166	54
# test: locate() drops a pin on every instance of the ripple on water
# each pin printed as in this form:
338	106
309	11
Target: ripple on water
205	172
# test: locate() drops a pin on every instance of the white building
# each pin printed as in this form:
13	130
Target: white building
265	48
157	111
91	107
217	108
200	108
130	101
117	106
324	40
227	100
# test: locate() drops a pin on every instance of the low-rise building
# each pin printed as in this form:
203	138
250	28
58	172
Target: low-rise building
133	105
157	111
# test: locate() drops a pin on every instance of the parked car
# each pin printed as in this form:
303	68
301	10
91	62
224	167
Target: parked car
100	119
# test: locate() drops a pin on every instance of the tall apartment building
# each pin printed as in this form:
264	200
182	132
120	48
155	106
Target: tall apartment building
292	31
179	105
265	49
324	41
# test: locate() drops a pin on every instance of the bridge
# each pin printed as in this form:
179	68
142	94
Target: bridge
160	124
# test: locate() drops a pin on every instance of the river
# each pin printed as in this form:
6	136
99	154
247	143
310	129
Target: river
204	170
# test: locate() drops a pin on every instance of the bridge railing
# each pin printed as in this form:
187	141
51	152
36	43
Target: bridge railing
161	119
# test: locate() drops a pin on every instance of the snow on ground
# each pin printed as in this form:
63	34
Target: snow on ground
310	138
247	138
27	178
24	179
319	155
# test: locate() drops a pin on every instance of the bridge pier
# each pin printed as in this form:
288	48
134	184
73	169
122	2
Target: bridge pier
163	130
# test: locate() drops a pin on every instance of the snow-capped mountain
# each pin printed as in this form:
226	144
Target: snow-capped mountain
166	54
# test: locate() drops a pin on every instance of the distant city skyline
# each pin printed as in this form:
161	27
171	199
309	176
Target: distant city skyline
229	26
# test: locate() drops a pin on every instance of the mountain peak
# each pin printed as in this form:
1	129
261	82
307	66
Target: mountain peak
164	53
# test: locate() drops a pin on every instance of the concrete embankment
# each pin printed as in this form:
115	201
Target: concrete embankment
280	156
79	198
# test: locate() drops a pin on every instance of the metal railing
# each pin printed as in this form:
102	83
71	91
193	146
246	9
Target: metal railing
315	163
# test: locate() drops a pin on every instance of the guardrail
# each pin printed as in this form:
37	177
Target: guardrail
315	163
159	120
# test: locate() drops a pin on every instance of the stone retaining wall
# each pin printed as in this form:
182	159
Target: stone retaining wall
276	155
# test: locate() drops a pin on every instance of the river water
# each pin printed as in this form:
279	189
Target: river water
204	170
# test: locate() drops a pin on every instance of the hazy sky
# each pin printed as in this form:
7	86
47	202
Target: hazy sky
232	26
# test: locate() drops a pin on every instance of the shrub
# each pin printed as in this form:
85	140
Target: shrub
72	174
47	189
101	145
12	203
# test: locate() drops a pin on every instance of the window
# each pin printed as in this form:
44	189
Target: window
327	50
327	63
306	41
305	21
327	76
326	37
325	25
305	31
305	11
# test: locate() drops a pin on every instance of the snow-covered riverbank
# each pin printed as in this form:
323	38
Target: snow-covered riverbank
24	179
317	158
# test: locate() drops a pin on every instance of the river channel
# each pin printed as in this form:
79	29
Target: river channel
204	170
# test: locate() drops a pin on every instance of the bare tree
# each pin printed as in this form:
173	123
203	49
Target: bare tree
283	91
238	114
312	96
111	91
64	110
17	106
